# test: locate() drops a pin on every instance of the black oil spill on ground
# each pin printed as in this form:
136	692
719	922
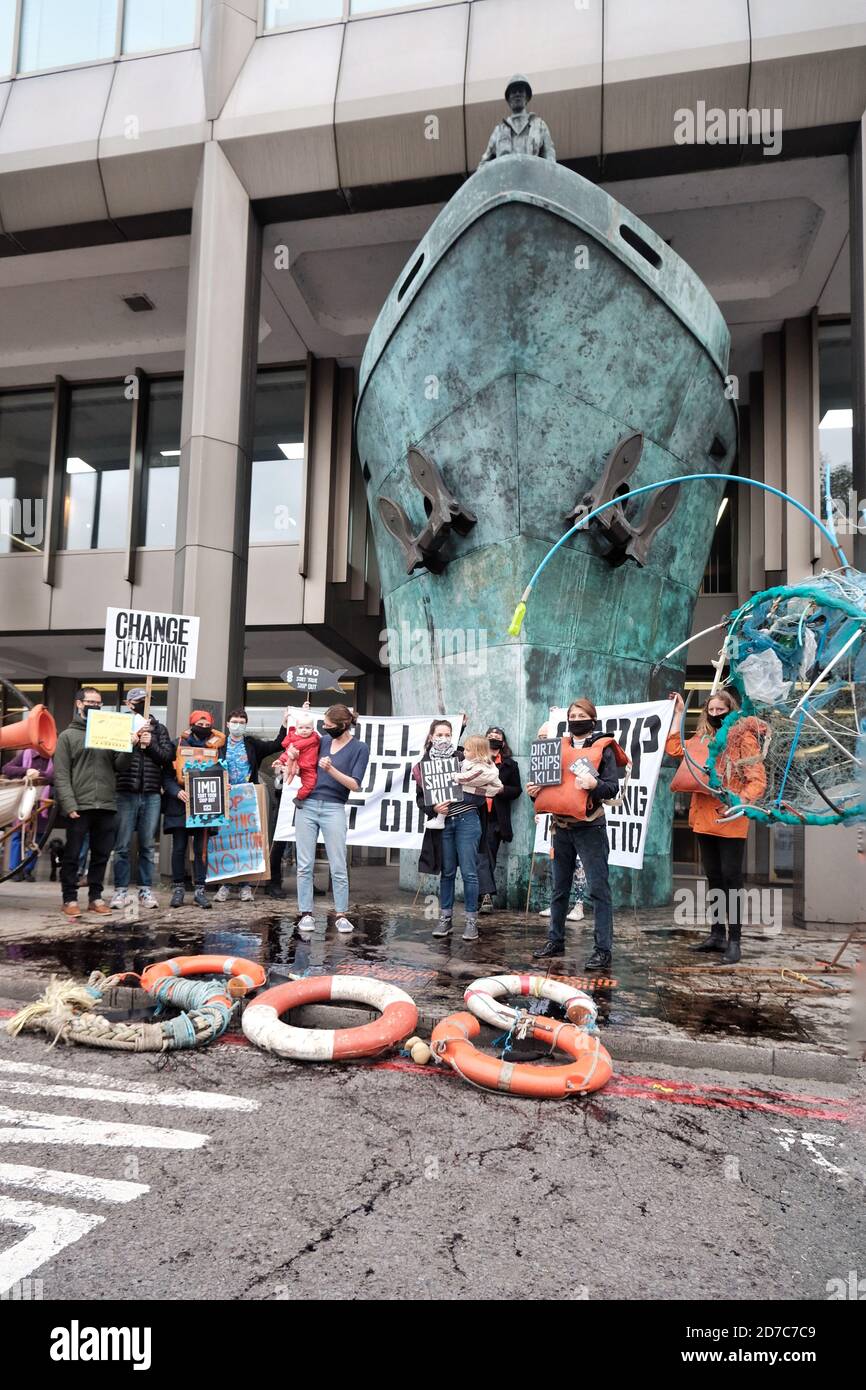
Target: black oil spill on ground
730	1014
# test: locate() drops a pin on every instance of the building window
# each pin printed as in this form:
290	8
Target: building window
836	428
282	14
276	494
7	37
720	576
96	478
25	444
156	24
58	34
371	6
161	464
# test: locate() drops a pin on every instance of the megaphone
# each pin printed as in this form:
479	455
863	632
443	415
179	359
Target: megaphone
36	730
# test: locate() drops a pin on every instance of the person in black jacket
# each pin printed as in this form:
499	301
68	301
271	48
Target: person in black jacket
200	734
498	815
139	796
244	755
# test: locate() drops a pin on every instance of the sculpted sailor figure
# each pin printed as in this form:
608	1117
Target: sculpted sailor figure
522	132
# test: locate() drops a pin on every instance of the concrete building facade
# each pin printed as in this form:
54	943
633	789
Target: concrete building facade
203	204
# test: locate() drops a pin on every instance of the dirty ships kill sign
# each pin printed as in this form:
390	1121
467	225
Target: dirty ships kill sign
139	643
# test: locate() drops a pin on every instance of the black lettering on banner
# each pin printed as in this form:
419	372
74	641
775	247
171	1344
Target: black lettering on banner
389	808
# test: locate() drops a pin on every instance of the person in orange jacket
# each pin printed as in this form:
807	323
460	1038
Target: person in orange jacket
722	842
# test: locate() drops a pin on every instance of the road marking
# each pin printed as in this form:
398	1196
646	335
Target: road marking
59	1184
51	1229
35	1127
789	1137
102	1086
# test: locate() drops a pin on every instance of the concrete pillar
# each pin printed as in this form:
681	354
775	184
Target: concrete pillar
857	204
829	877
773	457
799	433
210	575
60	692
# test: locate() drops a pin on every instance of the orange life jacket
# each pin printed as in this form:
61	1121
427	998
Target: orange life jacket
568	799
197	752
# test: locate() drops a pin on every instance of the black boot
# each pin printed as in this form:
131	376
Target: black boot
732	952
599	961
275	890
714	942
549	952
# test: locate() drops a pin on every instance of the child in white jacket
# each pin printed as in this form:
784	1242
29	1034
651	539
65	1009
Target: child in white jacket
478	771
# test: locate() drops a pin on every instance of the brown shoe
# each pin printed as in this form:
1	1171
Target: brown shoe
71	910
98	906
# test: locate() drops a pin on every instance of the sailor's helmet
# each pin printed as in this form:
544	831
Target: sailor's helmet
518	80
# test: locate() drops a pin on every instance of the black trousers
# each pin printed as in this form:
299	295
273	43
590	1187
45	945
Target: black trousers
487	852
179	841
722	858
101	827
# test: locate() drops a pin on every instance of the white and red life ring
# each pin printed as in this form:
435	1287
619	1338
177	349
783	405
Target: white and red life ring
263	1026
483	998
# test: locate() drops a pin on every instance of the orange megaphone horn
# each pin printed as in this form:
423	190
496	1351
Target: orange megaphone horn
36	730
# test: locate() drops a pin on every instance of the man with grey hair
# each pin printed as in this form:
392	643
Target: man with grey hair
522	132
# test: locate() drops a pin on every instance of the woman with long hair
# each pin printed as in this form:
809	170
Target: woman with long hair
342	763
459	833
722	841
498	830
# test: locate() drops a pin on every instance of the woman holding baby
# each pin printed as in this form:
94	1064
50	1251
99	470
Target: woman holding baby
462	821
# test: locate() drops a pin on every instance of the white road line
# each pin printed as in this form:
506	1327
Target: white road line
50	1230
35	1127
54	1182
108	1087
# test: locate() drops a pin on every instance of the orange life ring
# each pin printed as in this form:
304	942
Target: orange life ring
247	971
589	1069
263	1026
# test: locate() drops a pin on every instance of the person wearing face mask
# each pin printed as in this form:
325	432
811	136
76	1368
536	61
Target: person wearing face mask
244	754
589	778
139	798
200	734
85	786
498	830
722	842
342	763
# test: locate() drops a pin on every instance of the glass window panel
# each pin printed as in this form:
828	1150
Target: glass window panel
278	458
59	34
25	444
152	24
836	428
7	37
280	13
161	464
368	6
96	477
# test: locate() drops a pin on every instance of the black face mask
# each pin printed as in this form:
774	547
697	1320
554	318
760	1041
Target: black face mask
716	721
580	726
138	707
495	744
202	730
335	729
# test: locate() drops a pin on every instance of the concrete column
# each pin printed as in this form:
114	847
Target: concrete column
857	195
773	456
210	577
800	464
829	877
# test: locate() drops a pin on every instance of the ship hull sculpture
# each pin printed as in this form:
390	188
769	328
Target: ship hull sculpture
542	351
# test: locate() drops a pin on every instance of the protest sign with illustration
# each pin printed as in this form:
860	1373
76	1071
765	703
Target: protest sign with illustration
207	790
240	849
110	730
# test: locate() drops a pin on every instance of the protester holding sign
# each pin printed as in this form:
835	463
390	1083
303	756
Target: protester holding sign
498	829
85	785
589	779
342	765
139	798
459	836
200	735
722	842
244	753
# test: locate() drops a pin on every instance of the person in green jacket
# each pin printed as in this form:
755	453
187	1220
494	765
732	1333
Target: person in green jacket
84	784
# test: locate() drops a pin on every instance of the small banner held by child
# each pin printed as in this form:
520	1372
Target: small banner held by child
108	730
438	781
545	762
207	789
241	849
641	731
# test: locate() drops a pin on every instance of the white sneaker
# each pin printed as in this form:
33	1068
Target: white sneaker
576	913
545	912
222	894
343	924
119	899
246	894
307	923
146	898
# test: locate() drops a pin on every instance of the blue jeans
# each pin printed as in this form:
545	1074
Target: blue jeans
136	812
311	816
460	839
588	840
